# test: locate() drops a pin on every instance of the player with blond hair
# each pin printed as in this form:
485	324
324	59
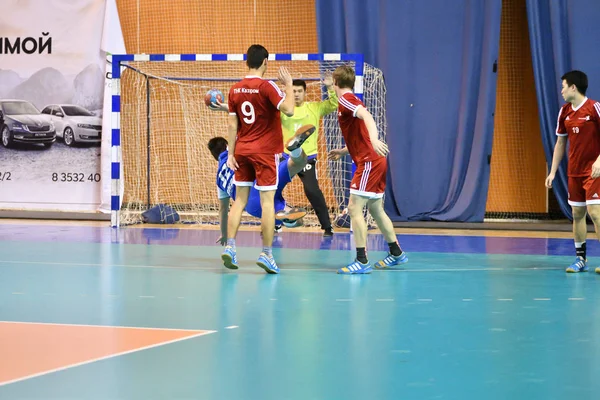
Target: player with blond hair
368	184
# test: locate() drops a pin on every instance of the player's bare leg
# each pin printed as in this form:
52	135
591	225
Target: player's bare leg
356	206
396	256
579	235
355	209
384	223
229	256
594	211
267	221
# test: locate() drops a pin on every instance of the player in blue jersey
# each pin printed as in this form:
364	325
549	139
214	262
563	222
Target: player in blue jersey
289	167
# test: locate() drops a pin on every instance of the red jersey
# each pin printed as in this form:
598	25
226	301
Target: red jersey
354	129
582	127
256	103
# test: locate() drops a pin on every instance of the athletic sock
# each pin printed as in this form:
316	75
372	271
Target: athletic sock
580	249
296	153
395	249
268	251
361	255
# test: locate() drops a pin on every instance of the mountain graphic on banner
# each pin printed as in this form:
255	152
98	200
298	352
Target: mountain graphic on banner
8	81
89	88
47	86
50	86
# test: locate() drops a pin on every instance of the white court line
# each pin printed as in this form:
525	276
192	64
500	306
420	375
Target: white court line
467	299
504	299
232	327
105	357
424	299
146	297
343	299
173	267
384	299
576	298
105	326
541	299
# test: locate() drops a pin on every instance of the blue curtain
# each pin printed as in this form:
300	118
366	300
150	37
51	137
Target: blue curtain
564	35
438	60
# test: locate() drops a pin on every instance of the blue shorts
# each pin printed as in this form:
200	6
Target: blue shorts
253	207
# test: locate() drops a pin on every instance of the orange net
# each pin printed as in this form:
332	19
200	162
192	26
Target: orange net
518	165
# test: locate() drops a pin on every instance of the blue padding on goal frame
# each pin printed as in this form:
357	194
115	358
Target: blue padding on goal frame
115	170
116	103
115	137
115	203
116	63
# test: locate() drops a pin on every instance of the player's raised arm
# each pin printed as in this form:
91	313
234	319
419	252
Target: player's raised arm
287	106
331	104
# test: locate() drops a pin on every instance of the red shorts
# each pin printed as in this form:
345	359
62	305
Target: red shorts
583	190
369	179
260	167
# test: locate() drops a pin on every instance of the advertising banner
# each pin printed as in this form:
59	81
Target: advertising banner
52	80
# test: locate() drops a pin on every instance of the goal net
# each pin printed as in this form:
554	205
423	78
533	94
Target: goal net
165	127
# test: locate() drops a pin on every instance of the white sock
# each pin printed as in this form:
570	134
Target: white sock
296	153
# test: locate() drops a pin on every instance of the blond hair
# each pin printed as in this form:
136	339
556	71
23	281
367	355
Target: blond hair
344	77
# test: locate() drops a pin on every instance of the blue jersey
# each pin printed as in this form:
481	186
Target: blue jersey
225	186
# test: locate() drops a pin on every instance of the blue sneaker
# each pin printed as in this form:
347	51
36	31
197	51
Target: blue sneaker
580	265
391	260
267	263
229	258
356	267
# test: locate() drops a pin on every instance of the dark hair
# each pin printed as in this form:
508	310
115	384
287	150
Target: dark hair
577	78
299	82
344	77
216	146
255	56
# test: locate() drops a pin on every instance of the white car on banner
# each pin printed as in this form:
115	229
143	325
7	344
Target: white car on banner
21	122
74	124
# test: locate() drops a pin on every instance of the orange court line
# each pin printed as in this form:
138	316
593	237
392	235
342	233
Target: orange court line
31	349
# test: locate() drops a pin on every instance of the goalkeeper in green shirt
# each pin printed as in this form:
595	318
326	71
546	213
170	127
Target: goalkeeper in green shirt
310	113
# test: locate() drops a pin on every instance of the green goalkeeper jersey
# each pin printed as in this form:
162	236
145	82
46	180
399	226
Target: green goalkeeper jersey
308	113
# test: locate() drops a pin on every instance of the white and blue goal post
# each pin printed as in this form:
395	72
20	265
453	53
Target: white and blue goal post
118	61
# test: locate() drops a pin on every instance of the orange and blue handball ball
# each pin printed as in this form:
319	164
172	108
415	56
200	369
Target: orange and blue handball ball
212	96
